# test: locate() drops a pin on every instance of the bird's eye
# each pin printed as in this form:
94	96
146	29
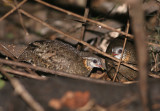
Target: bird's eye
94	61
120	51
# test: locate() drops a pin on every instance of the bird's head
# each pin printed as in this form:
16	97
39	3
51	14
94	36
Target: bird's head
91	62
117	53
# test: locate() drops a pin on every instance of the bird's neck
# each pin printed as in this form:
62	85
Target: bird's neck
86	65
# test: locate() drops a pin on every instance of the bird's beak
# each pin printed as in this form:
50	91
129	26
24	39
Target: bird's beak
113	54
100	66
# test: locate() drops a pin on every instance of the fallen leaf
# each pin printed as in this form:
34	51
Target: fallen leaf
102	76
74	100
55	103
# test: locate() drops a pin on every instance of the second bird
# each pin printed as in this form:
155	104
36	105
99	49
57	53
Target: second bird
129	56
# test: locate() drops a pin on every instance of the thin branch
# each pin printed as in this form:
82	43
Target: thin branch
84	21
9	62
23	93
92	21
46	70
137	16
122	104
11	11
15	72
155	57
83	29
83	18
153	44
21	19
154	76
119	63
124	45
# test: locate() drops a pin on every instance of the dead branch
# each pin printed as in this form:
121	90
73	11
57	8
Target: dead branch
15	72
141	47
21	19
46	70
23	93
122	104
124	44
84	18
92	21
14	9
83	28
86	13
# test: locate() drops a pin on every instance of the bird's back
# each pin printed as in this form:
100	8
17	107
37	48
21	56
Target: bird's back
55	55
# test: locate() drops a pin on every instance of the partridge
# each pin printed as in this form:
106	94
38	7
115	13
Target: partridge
129	56
60	56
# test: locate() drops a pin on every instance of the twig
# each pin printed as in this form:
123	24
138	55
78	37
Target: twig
129	82
83	29
153	44
83	18
122	104
92	21
15	72
140	38
154	76
11	11
56	72
124	44
2	61
24	94
21	19
74	38
119	63
84	21
155	67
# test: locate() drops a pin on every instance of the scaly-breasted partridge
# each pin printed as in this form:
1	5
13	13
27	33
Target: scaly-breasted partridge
129	56
60	56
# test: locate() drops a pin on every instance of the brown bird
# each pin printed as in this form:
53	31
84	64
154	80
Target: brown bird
129	56
60	56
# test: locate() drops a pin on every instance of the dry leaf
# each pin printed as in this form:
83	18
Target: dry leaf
75	100
102	76
72	100
55	103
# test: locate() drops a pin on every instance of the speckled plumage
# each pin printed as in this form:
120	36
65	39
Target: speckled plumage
58	56
129	57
